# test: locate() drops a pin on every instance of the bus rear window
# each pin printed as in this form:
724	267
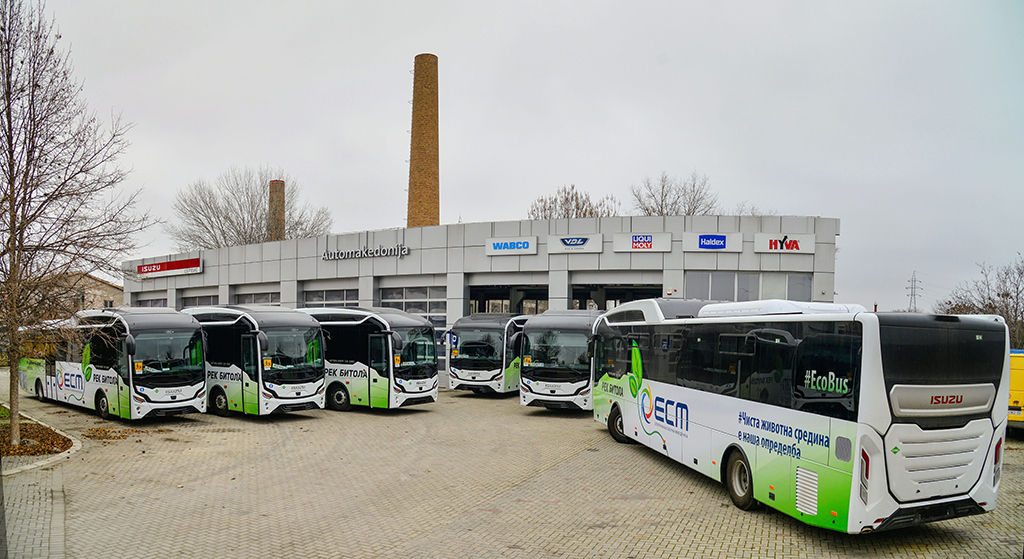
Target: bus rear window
942	354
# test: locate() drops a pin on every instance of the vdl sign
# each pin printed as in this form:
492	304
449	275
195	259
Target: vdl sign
561	244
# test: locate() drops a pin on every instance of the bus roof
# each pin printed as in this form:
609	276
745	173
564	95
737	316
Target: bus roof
568	320
138	318
388	317
259	317
656	310
485	320
775	306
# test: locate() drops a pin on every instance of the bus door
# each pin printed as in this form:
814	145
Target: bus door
125	365
511	360
250	375
380	369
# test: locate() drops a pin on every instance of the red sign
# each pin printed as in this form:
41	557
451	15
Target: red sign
173	267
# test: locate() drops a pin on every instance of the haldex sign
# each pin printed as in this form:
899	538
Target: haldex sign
713	242
398	251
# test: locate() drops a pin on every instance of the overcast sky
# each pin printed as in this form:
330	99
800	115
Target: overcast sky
905	120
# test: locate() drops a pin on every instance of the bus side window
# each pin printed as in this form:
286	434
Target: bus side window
827	374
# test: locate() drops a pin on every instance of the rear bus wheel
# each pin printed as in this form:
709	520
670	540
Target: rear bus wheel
39	391
739	481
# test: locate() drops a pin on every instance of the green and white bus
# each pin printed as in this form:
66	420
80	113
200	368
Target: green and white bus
127	362
376	357
261	359
483	357
841	418
556	360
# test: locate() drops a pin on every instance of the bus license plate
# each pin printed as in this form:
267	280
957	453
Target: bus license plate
1016	412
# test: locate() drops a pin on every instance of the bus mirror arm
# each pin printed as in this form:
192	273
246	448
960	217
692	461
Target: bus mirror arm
261	336
396	341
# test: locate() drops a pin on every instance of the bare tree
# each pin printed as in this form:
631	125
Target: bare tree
234	211
746	208
569	202
60	213
671	196
998	291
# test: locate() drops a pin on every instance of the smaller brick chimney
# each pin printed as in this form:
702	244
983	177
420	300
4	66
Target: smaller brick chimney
275	221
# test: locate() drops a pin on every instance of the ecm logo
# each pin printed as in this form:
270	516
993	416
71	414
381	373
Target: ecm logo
667	412
643	242
573	242
783	244
70	381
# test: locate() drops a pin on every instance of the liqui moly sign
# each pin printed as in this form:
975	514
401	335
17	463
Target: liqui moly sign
642	242
170	268
784	243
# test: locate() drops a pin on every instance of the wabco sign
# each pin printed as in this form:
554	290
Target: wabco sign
784	243
642	242
559	244
714	242
500	246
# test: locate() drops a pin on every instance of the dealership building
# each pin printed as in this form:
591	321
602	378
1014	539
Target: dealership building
445	272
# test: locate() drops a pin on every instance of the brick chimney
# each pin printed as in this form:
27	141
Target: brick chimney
275	221
424	181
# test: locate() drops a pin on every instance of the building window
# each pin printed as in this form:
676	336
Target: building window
748	287
199	301
108	304
258	299
429	302
152	302
331	298
698	285
723	286
799	287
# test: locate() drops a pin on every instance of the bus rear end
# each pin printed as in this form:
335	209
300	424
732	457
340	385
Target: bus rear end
932	425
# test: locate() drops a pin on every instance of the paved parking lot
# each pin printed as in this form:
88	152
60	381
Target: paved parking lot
468	476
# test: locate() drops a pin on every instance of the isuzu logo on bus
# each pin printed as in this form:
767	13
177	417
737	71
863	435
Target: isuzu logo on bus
946	400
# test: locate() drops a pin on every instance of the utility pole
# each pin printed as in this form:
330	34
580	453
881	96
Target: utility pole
914	288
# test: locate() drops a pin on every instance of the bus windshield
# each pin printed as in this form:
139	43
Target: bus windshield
418	357
477	349
295	354
168	357
556	350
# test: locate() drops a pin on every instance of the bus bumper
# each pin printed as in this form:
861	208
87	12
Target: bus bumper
580	399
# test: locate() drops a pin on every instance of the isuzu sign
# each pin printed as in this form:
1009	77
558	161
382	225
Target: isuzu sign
499	246
784	243
170	268
714	242
642	242
559	244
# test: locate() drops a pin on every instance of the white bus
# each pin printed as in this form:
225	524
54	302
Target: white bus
128	362
482	357
261	359
840	418
380	358
555	370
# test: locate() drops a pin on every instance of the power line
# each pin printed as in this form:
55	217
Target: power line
914	287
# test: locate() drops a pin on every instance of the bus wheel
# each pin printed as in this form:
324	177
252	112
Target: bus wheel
615	426
337	398
218	402
39	391
102	406
739	481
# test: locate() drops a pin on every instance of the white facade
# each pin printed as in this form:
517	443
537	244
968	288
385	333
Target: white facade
446	271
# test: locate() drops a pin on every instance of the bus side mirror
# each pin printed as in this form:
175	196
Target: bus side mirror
396	341
129	344
261	336
517	339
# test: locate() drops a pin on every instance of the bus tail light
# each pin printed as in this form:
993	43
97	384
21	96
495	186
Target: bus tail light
865	473
997	466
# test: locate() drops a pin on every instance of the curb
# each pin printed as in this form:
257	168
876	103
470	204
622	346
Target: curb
76	445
